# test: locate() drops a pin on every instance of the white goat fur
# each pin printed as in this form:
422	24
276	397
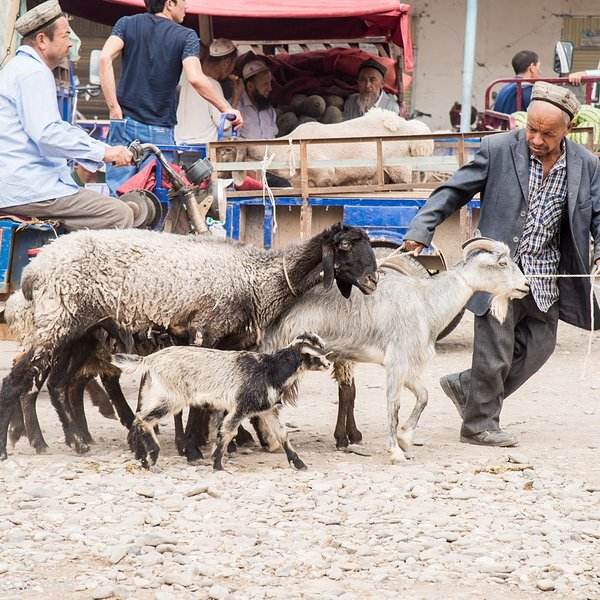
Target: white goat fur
398	325
377	122
237	382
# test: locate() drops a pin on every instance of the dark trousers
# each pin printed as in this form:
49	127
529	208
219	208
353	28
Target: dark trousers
505	356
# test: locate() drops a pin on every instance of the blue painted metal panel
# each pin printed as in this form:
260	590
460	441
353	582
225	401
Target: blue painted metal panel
380	216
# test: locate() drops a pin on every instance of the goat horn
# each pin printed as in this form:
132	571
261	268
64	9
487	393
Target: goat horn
482	243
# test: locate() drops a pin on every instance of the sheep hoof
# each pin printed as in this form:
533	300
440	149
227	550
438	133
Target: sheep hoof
355	437
3	455
218	467
231	447
341	442
298	464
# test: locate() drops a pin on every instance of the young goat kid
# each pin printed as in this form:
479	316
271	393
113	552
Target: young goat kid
242	384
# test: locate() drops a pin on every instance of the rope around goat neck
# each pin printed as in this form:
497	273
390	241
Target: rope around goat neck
287	279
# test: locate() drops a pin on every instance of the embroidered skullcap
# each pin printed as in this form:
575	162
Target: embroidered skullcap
558	95
252	68
39	17
221	47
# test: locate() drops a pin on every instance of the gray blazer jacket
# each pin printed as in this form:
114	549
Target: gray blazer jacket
500	173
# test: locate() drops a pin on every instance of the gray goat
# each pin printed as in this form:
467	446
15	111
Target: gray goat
398	325
241	384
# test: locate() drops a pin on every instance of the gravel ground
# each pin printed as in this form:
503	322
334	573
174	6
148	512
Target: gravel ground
457	521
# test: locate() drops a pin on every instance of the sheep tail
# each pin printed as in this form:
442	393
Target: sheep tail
127	362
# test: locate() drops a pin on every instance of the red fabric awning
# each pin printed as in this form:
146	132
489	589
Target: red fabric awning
266	20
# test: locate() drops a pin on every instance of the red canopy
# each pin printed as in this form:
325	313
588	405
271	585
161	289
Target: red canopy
278	19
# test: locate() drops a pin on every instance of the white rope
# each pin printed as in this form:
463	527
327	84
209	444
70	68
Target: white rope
291	159
287	279
266	189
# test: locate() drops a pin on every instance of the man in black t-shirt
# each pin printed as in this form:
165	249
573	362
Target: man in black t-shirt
155	47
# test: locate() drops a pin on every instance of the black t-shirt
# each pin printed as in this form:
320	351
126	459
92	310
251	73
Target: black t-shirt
154	48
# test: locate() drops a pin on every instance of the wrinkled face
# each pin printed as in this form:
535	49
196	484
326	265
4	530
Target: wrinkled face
354	262
56	49
547	126
370	82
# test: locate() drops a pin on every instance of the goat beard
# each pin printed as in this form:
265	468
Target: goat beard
499	308
367	101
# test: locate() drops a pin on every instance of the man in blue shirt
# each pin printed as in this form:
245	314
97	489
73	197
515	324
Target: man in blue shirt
155	48
35	178
526	64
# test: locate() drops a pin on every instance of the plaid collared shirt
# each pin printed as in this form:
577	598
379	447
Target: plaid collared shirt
538	251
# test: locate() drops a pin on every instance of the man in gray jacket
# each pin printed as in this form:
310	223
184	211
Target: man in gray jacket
540	194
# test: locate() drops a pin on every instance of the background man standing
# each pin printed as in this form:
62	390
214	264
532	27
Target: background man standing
155	48
540	194
526	64
198	119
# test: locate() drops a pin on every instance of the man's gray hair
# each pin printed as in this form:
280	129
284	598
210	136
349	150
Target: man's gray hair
566	117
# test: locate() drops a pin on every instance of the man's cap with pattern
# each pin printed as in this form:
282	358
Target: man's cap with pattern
371	63
221	47
558	95
252	68
38	17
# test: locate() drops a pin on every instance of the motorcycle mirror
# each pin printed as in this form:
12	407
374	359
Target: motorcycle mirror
94	76
563	58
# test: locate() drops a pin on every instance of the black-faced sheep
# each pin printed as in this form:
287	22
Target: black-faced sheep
224	293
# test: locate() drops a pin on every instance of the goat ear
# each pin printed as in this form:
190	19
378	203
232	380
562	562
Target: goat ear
344	287
328	266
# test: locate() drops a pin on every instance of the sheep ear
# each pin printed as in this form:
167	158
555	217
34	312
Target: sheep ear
328	267
344	287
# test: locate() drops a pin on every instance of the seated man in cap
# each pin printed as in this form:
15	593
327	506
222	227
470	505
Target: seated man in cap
35	178
540	195
198	119
155	49
260	118
371	74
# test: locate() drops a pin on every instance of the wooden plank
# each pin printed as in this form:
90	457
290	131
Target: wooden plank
305	211
380	173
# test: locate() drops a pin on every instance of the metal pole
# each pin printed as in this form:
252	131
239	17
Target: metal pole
468	62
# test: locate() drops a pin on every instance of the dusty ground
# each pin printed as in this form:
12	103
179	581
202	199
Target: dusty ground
451	523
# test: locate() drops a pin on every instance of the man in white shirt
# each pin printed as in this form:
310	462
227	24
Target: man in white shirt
197	119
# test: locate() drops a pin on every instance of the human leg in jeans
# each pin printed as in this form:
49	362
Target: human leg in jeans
123	132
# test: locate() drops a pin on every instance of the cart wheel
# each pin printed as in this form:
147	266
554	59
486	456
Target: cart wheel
406	263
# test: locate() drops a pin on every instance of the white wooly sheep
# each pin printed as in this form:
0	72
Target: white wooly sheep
377	122
398	325
222	293
242	384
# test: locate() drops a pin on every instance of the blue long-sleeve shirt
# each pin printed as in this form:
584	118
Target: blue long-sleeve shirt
35	142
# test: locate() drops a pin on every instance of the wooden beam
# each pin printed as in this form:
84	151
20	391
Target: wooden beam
205	29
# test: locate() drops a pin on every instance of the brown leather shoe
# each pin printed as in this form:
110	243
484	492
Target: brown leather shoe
491	438
450	385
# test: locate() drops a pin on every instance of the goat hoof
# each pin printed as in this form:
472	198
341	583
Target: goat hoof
192	454
41	449
81	447
355	437
298	464
341	442
232	447
3	455
218	467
